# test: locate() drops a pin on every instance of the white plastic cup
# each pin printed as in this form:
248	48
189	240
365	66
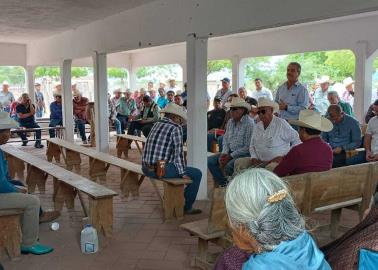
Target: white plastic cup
54	226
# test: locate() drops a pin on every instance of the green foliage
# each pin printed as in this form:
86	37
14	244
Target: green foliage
157	73
218	65
119	73
14	75
77	72
53	72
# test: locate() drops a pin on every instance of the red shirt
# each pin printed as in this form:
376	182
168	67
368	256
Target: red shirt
313	155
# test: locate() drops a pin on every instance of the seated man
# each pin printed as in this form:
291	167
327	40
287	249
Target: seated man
271	139
112	116
334	99
313	155
235	142
345	135
148	116
56	117
371	136
12	197
25	114
79	105
215	120
165	142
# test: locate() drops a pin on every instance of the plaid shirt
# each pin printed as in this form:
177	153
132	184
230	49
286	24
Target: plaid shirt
165	142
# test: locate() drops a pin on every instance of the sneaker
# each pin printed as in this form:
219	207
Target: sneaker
193	211
85	142
38	145
48	216
24	143
36	249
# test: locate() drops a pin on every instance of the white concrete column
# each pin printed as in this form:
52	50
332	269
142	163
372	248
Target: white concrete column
363	78
132	74
68	123
29	79
241	75
183	65
196	57
101	102
235	60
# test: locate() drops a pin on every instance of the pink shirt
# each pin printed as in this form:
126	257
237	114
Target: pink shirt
313	155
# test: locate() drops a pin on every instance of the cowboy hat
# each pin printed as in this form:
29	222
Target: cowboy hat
6	122
175	109
76	93
238	102
5	83
264	102
348	81
313	120
324	79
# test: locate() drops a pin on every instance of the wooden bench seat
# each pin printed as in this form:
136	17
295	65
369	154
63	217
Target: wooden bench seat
10	236
66	186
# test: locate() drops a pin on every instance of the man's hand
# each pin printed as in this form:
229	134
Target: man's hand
282	105
21	189
224	159
337	150
255	161
276	159
186	177
211	131
142	121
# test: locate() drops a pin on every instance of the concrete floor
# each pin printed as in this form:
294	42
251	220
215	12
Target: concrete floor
140	239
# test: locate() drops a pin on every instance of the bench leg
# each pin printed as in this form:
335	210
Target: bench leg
36	177
53	151
63	194
122	147
101	215
130	183
72	159
174	201
10	237
335	219
16	167
97	169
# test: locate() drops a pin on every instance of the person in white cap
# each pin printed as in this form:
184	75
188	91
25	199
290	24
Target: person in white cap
321	102
39	101
56	112
313	154
165	143
6	97
79	105
272	138
348	95
225	91
235	142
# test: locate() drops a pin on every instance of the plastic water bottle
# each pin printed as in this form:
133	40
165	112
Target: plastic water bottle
89	240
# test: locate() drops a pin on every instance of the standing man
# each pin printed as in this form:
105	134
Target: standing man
80	104
146	119
261	91
126	108
225	91
6	98
321	102
172	86
165	142
56	116
292	96
235	142
25	114
39	100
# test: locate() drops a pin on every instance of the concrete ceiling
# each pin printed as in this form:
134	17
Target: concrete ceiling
25	20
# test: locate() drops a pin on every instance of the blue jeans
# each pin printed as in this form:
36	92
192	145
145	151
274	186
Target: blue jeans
211	138
54	123
214	168
80	124
123	121
117	126
191	190
30	125
38	113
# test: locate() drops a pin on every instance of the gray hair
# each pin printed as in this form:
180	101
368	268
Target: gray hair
269	223
334	94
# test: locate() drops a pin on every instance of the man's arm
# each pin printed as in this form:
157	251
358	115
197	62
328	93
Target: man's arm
288	164
246	139
25	115
178	150
355	137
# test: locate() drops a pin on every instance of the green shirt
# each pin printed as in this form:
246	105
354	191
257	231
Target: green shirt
346	108
126	107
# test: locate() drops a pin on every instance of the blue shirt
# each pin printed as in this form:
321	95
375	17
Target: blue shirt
296	99
5	185
298	254
162	102
346	134
56	110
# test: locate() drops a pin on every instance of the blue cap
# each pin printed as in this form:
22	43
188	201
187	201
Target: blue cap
225	79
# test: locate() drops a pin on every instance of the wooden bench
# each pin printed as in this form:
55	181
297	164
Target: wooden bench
66	185
58	129
124	141
10	236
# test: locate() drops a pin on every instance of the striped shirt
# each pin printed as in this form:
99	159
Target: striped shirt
165	142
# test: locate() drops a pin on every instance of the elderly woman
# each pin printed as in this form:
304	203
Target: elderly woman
266	224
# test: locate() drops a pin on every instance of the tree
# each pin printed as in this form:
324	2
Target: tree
218	65
53	72
77	72
119	73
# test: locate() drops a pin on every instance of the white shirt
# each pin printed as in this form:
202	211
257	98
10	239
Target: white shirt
372	129
223	96
264	92
276	140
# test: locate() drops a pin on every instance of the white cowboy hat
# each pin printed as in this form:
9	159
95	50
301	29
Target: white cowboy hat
312	119
324	79
5	83
175	109
76	93
348	81
238	102
264	102
57	93
6	122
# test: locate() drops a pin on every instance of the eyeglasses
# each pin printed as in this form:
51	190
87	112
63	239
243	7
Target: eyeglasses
58	96
263	111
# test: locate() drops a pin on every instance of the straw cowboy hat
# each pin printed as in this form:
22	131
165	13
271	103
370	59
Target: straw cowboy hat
264	102
6	122
76	93
175	109
324	79
238	102
348	81
312	119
